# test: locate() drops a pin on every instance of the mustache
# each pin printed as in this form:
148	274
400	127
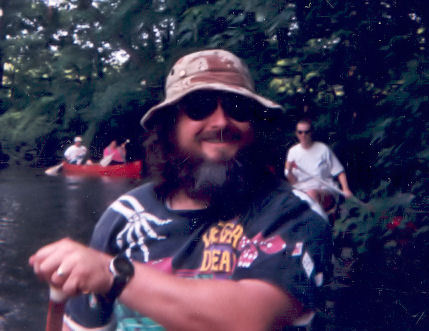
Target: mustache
228	134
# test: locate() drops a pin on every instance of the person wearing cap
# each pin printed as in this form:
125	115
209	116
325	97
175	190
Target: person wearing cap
75	154
214	240
311	167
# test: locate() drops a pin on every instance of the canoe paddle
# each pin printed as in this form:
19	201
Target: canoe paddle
54	170
57	302
333	188
104	162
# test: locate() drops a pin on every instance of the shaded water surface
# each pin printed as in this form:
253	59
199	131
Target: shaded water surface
36	209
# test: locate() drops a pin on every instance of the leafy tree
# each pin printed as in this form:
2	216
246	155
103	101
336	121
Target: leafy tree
358	68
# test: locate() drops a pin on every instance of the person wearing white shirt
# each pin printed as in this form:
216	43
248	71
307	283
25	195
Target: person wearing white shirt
75	154
310	163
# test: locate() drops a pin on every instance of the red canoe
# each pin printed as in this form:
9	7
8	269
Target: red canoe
129	170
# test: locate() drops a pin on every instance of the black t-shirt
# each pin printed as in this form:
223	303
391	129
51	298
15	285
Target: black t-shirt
278	239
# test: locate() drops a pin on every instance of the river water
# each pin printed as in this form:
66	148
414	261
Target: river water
36	209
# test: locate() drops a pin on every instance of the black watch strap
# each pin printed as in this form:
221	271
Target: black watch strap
122	269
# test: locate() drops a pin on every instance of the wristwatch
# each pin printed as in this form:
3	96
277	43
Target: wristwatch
123	270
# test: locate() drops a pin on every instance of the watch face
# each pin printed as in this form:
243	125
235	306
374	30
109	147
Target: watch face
123	266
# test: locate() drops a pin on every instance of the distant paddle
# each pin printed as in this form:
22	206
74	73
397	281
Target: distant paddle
54	170
335	189
105	161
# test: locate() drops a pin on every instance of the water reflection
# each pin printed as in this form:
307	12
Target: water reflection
36	209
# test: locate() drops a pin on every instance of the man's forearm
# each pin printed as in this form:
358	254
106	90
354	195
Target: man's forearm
288	172
343	181
342	178
196	304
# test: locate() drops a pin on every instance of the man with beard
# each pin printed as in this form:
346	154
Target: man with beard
215	240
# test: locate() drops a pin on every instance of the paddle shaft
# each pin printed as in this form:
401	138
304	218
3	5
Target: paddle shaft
54	169
330	186
57	302
320	180
104	162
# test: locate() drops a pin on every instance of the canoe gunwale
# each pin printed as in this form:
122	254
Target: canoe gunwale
129	170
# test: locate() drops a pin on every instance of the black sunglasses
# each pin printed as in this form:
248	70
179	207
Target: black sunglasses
301	131
199	105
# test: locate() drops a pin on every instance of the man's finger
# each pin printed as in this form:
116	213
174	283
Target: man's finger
63	245
71	285
42	253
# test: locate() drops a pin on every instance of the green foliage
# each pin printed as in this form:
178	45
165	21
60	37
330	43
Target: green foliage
363	82
358	68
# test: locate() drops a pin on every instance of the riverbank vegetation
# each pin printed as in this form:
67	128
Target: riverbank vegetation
358	68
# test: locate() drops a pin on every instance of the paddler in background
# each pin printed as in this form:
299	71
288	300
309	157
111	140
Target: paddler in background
115	152
75	154
311	167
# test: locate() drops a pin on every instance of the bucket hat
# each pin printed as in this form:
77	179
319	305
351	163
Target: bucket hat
206	70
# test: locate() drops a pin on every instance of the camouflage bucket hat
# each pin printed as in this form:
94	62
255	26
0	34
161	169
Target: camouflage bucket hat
206	70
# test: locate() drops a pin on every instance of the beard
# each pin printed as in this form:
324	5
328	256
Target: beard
211	180
226	186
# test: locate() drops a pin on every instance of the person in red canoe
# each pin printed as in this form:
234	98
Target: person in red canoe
76	153
115	153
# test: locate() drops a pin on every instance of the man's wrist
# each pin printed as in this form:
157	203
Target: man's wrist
122	269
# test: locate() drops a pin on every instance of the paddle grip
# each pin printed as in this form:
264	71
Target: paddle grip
57	302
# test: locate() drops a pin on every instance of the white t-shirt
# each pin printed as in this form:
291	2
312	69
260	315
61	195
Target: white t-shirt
75	154
319	161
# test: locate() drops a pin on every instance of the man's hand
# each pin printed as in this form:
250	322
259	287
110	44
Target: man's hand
342	178
347	193
288	172
290	166
73	267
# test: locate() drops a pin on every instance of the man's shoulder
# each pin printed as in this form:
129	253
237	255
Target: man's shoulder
294	151
69	149
141	199
301	213
295	147
144	191
321	146
282	212
281	200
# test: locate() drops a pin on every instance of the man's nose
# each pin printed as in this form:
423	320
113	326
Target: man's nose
218	118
